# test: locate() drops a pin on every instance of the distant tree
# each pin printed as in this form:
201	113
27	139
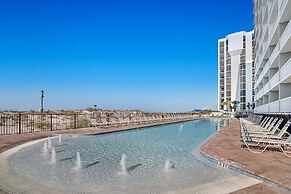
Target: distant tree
206	111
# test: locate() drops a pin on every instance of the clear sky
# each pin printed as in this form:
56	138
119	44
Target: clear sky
152	55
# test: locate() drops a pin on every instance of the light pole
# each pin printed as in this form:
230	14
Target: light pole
41	100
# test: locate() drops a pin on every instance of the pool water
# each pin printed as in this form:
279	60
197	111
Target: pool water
146	153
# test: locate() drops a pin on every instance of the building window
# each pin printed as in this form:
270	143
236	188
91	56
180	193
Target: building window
221	44
228	80
221	50
228	87
243	59
228	68
221	56
228	61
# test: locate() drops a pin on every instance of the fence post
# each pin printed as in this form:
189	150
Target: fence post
75	121
19	123
51	122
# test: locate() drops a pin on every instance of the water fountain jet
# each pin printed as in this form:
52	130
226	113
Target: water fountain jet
123	171
60	139
168	165
53	159
50	143
45	149
78	162
180	129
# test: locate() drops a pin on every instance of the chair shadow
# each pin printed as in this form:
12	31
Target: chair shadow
58	145
60	151
66	159
132	168
91	164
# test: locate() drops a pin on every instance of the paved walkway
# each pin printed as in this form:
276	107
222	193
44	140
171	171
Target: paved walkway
261	188
226	147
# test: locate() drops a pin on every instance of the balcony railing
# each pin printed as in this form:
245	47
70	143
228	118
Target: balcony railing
285	105
274	107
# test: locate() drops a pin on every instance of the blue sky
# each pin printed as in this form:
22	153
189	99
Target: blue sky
152	55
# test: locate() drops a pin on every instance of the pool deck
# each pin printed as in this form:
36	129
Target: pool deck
225	147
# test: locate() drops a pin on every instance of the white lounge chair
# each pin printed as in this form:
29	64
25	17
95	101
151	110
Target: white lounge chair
273	125
261	144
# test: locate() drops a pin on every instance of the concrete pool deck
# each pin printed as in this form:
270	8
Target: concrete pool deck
9	141
225	147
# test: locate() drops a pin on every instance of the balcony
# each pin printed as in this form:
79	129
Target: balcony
264	72
274	107
259	109
286	70
260	93
285	105
274	80
275	24
280	76
282	106
266	88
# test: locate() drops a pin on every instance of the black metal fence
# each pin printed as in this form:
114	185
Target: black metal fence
17	123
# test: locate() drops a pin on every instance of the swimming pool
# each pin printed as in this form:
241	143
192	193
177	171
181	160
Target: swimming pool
148	160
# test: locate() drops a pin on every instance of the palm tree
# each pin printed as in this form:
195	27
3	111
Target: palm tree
227	103
249	105
234	105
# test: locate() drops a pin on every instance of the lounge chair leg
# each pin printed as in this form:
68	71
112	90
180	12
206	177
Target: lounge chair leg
284	152
256	152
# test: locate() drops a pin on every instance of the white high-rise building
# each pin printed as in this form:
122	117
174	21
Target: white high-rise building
273	56
236	70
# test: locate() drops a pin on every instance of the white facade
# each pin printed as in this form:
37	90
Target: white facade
273	56
236	70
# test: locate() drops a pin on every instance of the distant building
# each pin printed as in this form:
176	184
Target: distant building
273	53
236	70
